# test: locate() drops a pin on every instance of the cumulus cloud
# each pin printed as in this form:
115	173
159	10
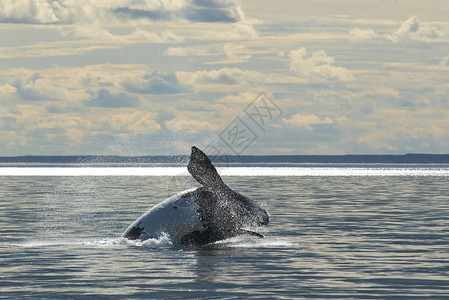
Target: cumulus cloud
105	85
306	121
236	52
35	87
134	122
106	99
220	79
195	11
44	85
26	11
29	125
70	11
135	13
317	65
414	30
444	61
156	83
223	76
193	121
190	125
410	26
410	29
7	91
211	15
358	35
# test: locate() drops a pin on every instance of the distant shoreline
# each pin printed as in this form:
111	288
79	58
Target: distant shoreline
335	159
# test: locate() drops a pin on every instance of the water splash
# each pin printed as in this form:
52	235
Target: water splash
164	241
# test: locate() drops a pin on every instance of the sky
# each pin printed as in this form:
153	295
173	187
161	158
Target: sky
254	77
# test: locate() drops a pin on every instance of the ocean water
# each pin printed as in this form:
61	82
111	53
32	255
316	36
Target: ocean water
371	233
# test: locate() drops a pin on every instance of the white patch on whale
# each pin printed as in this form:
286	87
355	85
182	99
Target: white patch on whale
175	216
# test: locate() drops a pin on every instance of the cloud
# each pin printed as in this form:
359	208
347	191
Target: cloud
220	80
103	85
26	11
226	76
194	11
410	29
213	3
50	49
82	11
226	11
359	35
106	99
7	91
238	31
236	52
400	129
414	30
98	34
317	66
306	121
156	83
384	91
222	76
54	84
193	121
211	15
134	122
166	36
34	87
133	13
30	126
202	50
444	61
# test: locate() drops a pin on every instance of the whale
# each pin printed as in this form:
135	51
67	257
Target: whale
200	215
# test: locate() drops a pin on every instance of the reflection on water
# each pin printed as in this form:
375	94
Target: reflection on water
329	237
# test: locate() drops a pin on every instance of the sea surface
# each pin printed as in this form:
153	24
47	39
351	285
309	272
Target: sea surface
336	231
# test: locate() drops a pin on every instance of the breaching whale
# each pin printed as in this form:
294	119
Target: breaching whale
200	215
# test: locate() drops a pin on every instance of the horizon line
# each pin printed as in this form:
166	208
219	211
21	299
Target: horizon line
408	158
215	155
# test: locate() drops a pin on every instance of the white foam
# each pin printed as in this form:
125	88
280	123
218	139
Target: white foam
163	241
232	171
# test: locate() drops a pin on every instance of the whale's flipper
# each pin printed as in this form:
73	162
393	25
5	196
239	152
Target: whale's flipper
202	169
250	232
